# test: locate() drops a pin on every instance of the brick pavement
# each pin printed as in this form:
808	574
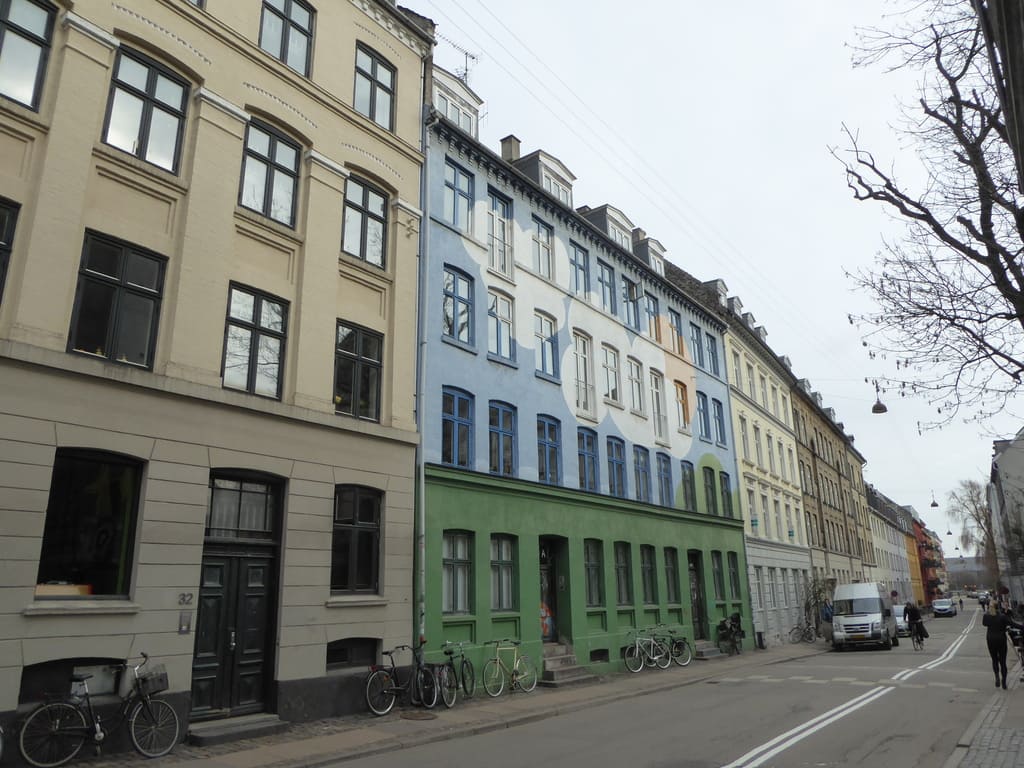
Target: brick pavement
996	737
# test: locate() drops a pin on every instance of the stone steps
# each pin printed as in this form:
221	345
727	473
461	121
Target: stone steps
234	729
560	667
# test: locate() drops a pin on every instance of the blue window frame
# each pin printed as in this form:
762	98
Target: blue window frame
719	415
546	337
696	347
456	428
688	484
606	280
703	417
651	316
579	270
664	480
631	303
616	467
549	450
458	197
457	306
501	425
710	495
712	347
586	446
642	473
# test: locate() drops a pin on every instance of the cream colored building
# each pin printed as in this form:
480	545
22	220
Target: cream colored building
210	224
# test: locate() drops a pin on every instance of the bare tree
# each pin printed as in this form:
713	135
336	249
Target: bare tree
968	506
950	291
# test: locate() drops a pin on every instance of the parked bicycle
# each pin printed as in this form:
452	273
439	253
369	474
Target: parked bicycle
56	731
1017	638
386	682
450	676
520	672
679	648
804	631
646	650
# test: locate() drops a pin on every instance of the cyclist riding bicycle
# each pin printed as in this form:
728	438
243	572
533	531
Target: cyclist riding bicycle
913	616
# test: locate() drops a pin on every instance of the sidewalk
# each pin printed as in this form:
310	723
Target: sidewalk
996	737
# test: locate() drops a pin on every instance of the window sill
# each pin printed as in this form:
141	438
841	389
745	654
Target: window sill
663	442
267	224
614	403
684	431
461	233
358	601
507	277
705	439
588	417
464	346
131	162
548	377
80	608
637	413
720	444
502	360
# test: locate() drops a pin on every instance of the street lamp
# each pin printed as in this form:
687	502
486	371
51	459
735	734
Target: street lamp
934	502
879	406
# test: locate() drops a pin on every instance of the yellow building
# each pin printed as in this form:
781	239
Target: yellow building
210	226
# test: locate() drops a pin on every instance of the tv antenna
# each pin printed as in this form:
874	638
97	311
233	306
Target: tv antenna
469	58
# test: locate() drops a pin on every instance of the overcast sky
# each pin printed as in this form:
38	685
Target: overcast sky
709	125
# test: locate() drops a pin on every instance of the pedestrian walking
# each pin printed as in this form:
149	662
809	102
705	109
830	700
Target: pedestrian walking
961	605
997	622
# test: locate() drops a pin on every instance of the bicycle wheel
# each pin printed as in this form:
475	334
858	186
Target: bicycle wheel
449	685
153	725
526	674
426	687
796	634
682	654
634	658
52	735
810	634
662	654
493	678
380	692
468	677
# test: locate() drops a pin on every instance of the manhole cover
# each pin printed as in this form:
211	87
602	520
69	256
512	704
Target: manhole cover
417	714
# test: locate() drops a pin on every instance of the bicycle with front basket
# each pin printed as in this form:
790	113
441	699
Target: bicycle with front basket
56	731
385	683
520	671
646	649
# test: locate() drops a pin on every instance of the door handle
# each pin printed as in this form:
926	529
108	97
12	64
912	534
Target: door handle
231	642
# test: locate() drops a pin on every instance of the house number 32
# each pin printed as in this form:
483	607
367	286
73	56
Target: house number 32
185	598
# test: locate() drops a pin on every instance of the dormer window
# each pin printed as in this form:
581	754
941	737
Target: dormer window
621	237
455	112
557	189
658	264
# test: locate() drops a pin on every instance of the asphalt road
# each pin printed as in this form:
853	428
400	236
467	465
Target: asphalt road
871	707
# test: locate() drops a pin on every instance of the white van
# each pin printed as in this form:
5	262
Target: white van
862	615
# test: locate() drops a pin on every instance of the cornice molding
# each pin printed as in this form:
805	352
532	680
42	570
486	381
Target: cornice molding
74	21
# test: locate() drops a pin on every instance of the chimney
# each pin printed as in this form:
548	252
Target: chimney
639	235
510	149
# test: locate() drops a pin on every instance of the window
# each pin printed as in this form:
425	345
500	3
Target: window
765	518
689	486
616	467
752	511
547	344
635	374
557	189
785	410
89	533
726	487
286	32
8	217
622	238
357	372
703	418
671	575
242	507
682	406
456	571
664	480
631	302
675	336
499	233
757	446
26	31
764	392
351	653
117	301
593	566
623	573
355	544
503	572
718	575
586	448
782	461
458	197
502	437
606	281
610	364
710	497
737	374
366	222
744	438
456	428
712	345
254	342
658	406
750	380
542	244
771	453
775	400
375	87
719	418
648	576
584	376
769	591
658	264
549	450
642	473
579	270
500	336
270	174
147	110
696	348
651	317
457	309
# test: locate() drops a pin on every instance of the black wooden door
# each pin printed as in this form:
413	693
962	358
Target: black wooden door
697	609
231	664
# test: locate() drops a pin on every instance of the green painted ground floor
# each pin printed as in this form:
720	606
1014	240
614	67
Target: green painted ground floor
511	559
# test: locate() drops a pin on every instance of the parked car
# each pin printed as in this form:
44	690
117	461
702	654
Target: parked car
943	607
902	628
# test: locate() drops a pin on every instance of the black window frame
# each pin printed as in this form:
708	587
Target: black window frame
710	491
259	298
672	590
688	485
9	211
501	602
149	102
593	567
276	137
461	565
615	449
377	61
361	364
642	473
284	14
359	530
123	288
45	44
649	574
366	215
623	573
